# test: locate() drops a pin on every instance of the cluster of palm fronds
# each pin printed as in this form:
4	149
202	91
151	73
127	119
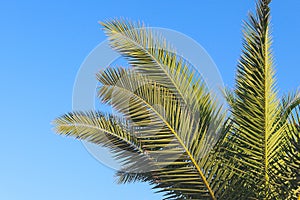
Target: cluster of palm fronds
175	135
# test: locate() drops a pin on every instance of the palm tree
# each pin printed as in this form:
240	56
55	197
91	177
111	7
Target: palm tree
188	147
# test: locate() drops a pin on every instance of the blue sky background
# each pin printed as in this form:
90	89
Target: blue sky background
43	44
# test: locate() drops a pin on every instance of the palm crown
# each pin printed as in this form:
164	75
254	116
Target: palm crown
174	135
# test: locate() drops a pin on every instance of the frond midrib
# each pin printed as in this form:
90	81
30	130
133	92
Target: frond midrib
266	136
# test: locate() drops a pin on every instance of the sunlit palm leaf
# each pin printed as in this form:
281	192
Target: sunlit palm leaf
174	135
149	53
155	109
107	131
258	137
289	165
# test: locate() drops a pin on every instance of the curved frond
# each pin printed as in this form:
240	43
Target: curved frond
154	110
289	103
149	53
107	131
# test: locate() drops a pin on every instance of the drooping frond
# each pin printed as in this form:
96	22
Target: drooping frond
168	130
108	131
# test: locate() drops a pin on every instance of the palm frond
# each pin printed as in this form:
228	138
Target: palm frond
289	103
257	138
108	131
289	165
170	129
174	135
149	53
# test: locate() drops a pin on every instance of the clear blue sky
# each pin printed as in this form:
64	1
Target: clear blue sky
43	44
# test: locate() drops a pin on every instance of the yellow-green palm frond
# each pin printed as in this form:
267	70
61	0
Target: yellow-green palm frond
132	93
174	135
149	53
168	130
289	164
108	131
289	103
258	133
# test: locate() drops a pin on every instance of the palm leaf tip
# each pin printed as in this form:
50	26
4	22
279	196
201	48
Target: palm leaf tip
106	130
